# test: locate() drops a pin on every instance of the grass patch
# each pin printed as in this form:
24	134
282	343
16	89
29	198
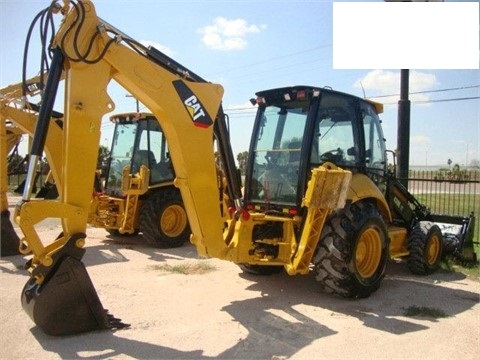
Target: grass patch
186	268
450	203
470	269
424	311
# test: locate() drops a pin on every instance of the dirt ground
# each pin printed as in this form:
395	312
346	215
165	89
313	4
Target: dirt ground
225	314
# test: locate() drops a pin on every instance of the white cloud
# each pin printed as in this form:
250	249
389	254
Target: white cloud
386	82
381	81
158	46
247	105
225	34
420	140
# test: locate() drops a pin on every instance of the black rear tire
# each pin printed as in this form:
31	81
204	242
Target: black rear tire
163	220
425	245
352	252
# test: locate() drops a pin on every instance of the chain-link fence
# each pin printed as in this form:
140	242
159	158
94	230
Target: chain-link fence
449	192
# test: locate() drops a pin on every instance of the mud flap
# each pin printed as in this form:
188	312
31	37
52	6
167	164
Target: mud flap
66	302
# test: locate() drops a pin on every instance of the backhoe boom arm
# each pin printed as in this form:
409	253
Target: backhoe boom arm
90	54
185	109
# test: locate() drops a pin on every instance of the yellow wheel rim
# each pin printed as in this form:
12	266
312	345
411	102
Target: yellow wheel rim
173	221
368	252
432	250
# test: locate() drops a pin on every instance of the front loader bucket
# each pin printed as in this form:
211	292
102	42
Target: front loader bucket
67	302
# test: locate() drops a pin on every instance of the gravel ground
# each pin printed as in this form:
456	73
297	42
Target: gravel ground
225	314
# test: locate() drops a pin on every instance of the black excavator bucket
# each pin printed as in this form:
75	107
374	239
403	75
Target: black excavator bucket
48	191
66	302
9	239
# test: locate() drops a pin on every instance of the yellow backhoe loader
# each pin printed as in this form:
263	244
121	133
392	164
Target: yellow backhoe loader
317	194
139	195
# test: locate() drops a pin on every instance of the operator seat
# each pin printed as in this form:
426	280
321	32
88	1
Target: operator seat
143	157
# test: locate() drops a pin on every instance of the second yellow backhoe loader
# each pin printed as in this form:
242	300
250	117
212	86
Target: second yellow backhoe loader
317	194
139	195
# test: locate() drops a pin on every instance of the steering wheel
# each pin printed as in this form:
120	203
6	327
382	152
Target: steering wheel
272	158
335	155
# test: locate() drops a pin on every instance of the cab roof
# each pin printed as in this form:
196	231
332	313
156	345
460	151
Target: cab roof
310	91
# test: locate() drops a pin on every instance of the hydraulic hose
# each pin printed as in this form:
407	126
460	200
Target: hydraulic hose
43	121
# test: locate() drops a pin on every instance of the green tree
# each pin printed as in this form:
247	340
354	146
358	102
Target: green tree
242	161
103	158
16	164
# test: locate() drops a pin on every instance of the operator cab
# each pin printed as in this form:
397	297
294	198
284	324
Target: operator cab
138	140
301	127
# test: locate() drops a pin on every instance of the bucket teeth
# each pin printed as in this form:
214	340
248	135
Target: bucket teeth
115	323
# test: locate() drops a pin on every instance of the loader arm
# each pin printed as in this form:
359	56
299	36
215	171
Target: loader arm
409	211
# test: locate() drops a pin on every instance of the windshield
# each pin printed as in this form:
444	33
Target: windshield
152	151
277	155
121	154
138	143
333	139
374	140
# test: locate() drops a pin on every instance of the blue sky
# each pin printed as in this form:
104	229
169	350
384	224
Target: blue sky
248	46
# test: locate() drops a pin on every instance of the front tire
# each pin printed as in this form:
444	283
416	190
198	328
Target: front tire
352	253
163	220
425	245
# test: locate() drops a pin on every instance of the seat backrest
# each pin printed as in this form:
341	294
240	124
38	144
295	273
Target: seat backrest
143	157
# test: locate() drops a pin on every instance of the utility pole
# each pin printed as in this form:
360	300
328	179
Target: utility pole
403	120
137	103
403	129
